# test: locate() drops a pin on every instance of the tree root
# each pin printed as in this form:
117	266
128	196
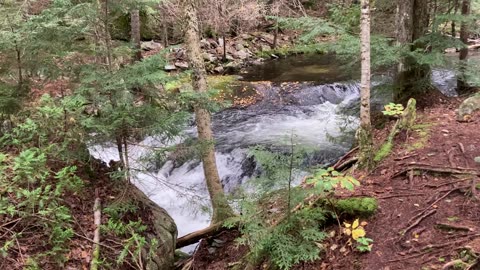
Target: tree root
435	168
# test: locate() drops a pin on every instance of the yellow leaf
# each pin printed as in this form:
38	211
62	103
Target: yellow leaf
347	232
355	224
357	233
347	225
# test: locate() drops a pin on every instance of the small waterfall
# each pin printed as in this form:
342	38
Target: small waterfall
313	113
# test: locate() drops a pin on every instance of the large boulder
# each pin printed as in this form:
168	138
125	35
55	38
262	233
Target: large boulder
162	228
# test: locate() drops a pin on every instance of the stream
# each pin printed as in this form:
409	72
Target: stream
310	97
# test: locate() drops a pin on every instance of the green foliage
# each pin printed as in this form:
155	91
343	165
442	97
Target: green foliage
347	17
327	180
392	109
133	231
31	197
268	225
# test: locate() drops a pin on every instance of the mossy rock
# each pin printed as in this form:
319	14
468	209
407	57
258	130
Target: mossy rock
359	207
467	108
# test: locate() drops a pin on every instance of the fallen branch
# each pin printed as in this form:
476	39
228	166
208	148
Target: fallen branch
446	226
346	160
97	215
435	168
401	195
196	236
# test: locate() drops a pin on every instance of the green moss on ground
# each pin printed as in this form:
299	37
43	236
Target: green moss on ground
363	207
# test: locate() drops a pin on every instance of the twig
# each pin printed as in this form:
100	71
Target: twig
401	195
97	215
446	226
448	183
405	157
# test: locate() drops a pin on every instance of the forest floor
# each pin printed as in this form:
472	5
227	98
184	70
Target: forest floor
429	210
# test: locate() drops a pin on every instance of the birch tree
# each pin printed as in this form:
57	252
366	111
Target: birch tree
365	131
221	208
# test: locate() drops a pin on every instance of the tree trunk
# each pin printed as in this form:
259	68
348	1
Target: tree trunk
421	18
403	23
135	34
224	57
365	132
412	22
221	208
455	6
462	86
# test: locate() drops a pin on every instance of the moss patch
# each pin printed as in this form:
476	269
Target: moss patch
422	132
363	207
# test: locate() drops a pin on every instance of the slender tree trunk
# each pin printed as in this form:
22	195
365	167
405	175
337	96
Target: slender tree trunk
135	34
365	132
455	7
221	208
224	57
462	86
404	25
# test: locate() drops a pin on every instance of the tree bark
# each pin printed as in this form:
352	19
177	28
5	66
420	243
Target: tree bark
135	34
421	18
462	86
454	31
221	208
412	22
365	132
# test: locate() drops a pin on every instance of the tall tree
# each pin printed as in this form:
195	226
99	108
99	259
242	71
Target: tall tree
462	86
365	131
412	21
221	208
135	34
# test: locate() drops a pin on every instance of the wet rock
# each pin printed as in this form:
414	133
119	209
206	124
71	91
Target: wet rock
467	108
181	64
169	68
151	46
163	230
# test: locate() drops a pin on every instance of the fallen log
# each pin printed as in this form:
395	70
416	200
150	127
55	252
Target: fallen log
348	160
196	236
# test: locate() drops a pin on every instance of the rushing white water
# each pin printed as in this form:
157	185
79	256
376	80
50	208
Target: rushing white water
322	118
313	115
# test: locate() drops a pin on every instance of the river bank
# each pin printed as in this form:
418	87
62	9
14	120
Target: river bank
428	211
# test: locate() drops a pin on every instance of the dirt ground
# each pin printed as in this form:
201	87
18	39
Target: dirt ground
429	211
